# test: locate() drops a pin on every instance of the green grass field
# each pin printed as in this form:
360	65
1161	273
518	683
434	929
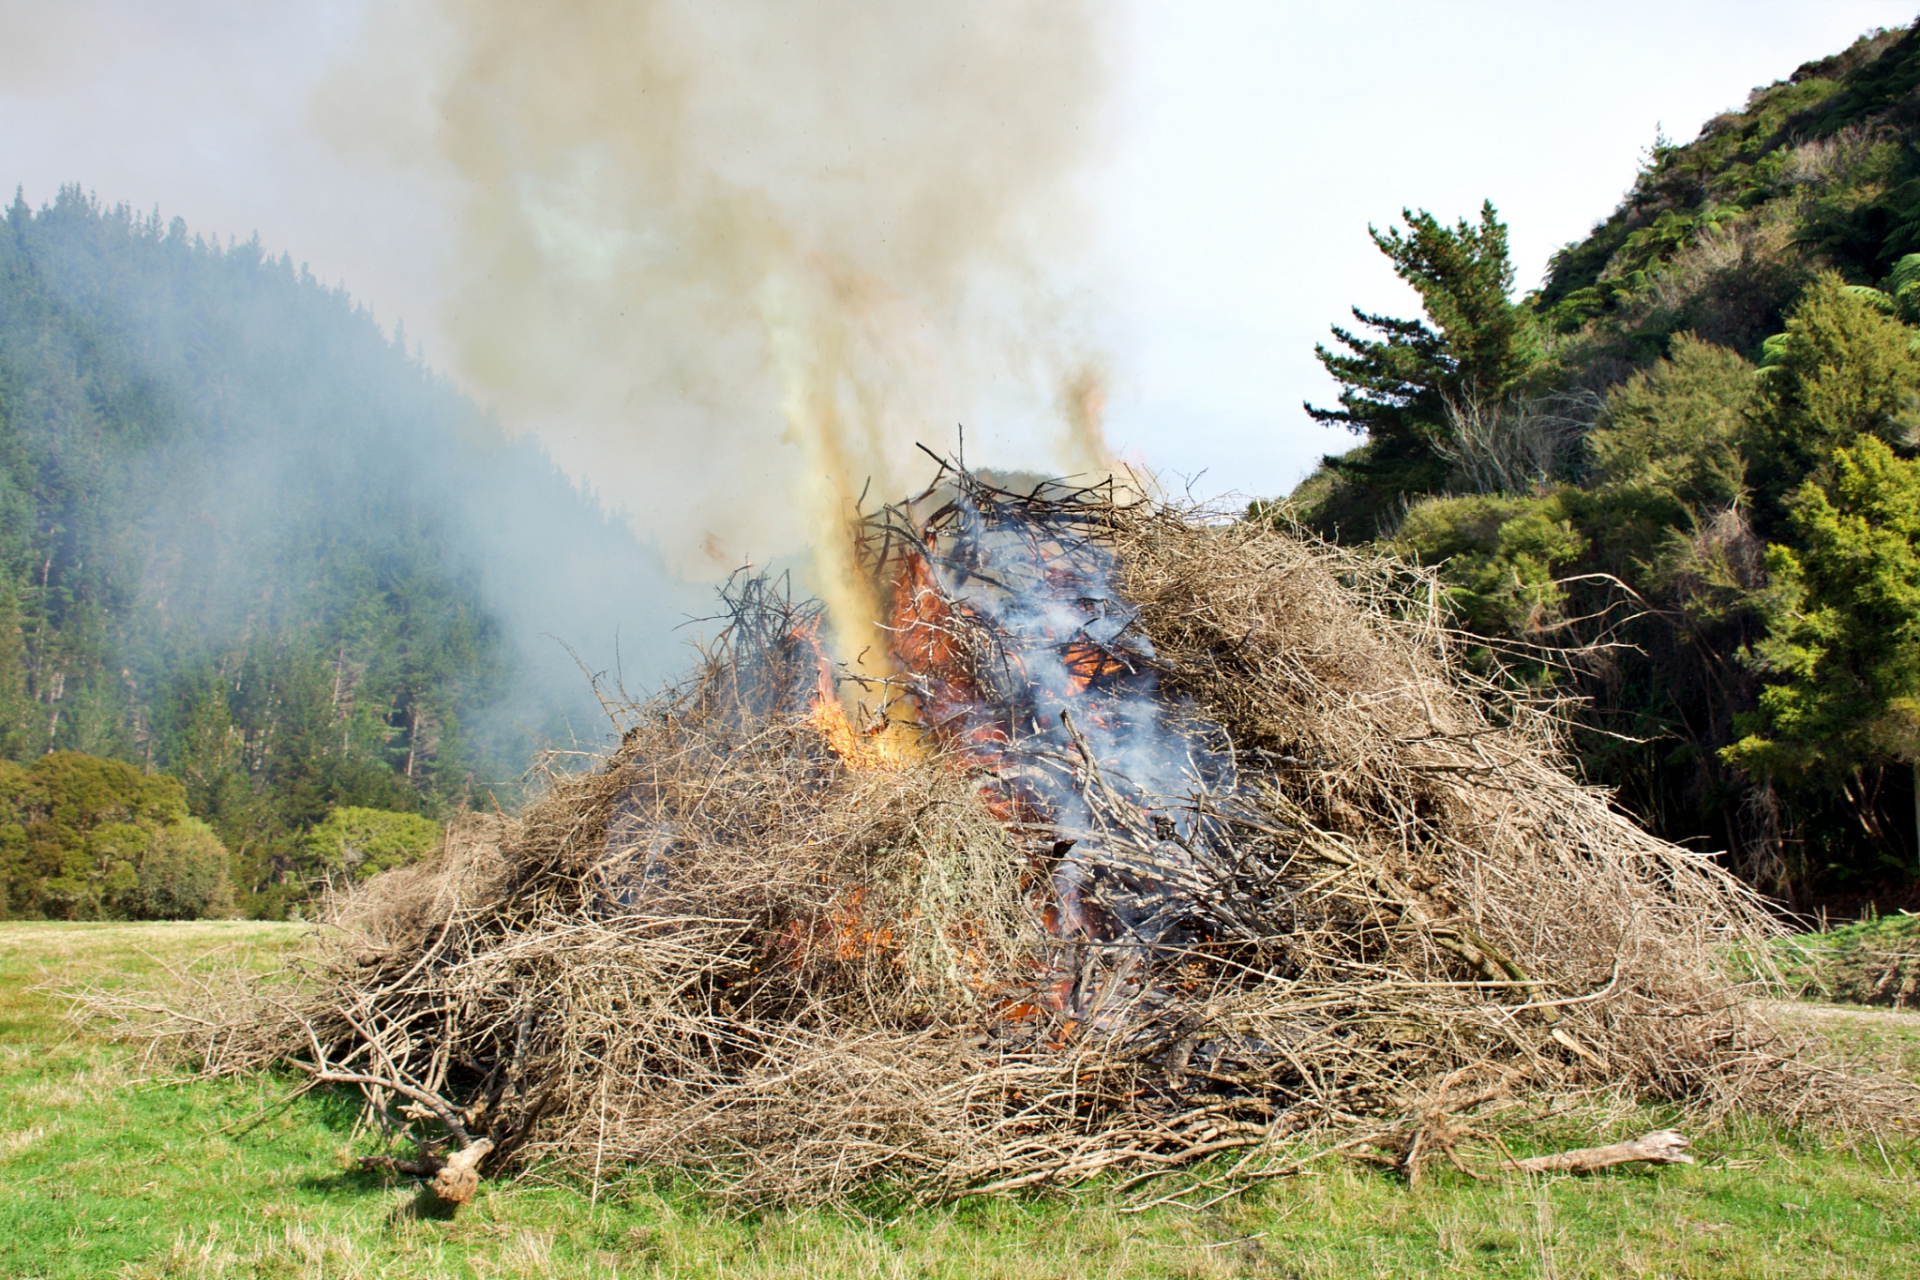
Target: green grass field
106	1172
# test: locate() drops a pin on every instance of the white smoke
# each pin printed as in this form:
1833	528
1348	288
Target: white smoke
735	259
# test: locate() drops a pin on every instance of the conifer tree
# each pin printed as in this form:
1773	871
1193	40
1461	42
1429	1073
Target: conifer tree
1844	368
1844	647
1472	351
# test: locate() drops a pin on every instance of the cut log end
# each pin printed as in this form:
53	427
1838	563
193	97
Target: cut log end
459	1177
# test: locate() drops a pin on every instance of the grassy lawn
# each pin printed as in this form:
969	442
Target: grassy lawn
106	1173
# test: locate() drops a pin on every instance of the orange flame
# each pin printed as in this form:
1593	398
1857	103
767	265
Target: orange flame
846	934
881	746
1087	662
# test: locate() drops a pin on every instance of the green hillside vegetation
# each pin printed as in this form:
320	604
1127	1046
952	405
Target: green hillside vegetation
249	541
87	838
1696	444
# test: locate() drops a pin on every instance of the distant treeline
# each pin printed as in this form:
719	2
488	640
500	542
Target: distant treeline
1695	445
247	540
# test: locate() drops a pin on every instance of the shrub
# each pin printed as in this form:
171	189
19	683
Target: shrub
357	844
184	875
1500	557
75	830
1844	369
1674	429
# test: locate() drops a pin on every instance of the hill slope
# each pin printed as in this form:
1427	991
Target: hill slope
1695	443
247	539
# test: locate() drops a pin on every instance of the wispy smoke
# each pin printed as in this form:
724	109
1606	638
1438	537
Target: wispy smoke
737	258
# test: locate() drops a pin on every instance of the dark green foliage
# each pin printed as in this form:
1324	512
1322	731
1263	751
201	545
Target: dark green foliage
1743	334
1843	368
82	838
1670	434
1504	557
1844	645
184	875
1820	165
1652	554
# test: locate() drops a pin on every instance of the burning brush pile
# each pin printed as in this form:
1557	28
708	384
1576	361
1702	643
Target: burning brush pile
1159	837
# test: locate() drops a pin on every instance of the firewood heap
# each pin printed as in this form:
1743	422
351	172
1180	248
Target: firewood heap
1021	660
1156	836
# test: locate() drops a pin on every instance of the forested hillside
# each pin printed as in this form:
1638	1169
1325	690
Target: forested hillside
1695	447
248	540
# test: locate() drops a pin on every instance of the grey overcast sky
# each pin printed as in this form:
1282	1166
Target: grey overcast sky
1250	145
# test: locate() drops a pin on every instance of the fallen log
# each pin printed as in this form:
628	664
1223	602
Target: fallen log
451	1181
459	1176
1665	1146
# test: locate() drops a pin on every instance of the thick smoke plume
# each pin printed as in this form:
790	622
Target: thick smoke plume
736	259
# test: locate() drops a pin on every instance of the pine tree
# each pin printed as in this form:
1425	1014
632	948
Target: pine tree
1472	352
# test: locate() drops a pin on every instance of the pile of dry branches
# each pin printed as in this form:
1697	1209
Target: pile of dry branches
739	950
